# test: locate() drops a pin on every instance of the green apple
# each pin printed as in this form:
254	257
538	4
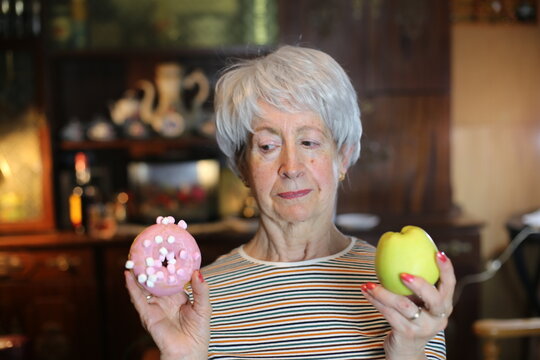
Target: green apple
410	251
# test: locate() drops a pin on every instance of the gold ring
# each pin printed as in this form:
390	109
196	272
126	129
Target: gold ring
149	297
416	314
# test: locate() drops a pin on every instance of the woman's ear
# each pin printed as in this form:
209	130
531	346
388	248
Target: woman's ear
242	165
345	154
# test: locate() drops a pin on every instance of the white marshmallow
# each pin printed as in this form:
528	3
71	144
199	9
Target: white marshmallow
171	239
158	239
142	278
130	264
149	261
163	251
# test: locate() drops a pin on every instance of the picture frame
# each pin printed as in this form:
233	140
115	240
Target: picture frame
26	193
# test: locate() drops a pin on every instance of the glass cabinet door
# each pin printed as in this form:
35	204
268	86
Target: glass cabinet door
25	160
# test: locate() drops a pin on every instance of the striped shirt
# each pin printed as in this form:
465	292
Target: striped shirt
310	309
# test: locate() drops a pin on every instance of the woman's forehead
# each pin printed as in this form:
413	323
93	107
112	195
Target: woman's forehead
274	119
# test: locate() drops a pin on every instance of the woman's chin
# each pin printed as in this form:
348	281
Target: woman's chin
298	215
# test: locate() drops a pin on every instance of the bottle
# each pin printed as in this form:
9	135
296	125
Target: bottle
5	19
83	195
60	24
526	12
78	23
19	21
35	18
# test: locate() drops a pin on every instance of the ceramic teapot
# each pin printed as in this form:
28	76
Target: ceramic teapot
170	117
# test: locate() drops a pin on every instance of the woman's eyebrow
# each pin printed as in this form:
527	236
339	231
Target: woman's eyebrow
266	128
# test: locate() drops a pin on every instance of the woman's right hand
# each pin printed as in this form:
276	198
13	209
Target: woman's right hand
180	329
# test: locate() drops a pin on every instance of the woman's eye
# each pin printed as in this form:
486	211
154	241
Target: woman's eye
309	143
267	147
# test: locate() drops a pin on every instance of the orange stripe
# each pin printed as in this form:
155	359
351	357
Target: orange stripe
293	302
302	351
290	337
265	290
293	319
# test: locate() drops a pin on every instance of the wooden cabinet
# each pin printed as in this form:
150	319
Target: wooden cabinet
404	164
51	296
67	294
386	46
408	46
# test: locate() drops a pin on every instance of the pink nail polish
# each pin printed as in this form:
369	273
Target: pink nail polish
407	277
370	286
442	256
199	274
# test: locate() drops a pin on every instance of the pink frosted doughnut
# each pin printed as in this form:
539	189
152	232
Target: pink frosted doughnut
163	257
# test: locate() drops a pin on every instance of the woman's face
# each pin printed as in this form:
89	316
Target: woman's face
293	166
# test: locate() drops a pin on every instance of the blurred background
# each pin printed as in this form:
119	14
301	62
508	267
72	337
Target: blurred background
106	123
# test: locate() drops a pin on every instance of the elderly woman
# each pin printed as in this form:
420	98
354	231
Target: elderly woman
299	289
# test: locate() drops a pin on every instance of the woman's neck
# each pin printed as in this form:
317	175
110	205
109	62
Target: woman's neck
295	242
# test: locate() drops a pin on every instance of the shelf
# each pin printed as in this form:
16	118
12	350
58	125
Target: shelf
225	51
140	148
26	43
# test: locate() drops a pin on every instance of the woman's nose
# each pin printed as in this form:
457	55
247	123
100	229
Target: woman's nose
291	165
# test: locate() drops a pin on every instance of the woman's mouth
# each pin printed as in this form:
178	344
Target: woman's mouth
294	194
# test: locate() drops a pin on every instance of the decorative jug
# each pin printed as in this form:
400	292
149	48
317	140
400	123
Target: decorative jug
170	117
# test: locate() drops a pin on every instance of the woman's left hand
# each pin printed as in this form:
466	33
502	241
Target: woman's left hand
417	319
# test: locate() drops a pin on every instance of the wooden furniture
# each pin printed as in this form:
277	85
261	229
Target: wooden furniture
493	330
526	260
66	293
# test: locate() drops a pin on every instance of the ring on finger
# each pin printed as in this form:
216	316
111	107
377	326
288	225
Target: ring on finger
149	297
416	315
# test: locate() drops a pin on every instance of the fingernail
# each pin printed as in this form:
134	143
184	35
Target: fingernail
442	256
199	274
407	277
368	286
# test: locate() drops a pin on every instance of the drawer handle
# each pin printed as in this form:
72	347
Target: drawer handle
64	263
10	264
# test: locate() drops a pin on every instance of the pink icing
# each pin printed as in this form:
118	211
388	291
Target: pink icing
181	259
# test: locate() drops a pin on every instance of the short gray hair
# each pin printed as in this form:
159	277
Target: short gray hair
291	79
